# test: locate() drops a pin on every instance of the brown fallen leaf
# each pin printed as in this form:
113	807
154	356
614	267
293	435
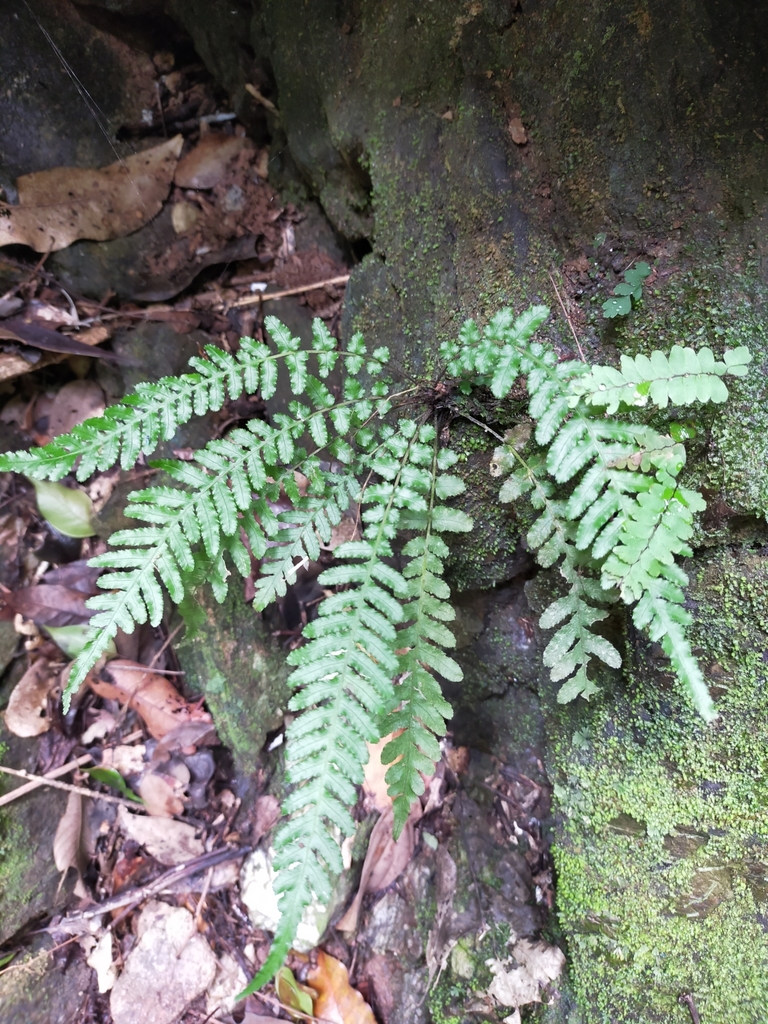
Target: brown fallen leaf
206	164
384	861
25	714
59	206
337	1001
154	697
374	786
47	605
160	796
76	402
170	842
66	842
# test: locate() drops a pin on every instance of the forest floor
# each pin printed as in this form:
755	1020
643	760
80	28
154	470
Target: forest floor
164	900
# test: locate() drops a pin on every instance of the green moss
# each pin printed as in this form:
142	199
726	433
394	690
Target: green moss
234	662
678	902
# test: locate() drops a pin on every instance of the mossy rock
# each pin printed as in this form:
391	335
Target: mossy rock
234	661
662	842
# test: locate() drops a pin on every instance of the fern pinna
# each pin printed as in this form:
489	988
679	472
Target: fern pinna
613	515
369	665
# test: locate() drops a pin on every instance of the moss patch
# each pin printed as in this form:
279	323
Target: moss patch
662	844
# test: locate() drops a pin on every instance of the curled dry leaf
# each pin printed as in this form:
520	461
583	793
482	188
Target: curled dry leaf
385	860
170	842
337	1001
59	206
25	715
66	842
159	703
539	964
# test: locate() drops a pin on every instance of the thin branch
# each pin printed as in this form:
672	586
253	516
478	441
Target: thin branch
567	317
41	780
256	300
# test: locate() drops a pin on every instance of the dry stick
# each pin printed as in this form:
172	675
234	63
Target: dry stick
56	773
687	1000
256	300
41	780
567	317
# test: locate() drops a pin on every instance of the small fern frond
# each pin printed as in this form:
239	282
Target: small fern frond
682	378
419	709
154	412
571	649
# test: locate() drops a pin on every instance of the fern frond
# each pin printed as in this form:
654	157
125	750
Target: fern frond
571	649
419	709
154	412
682	378
343	684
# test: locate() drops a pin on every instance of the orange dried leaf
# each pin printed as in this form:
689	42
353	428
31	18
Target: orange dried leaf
337	1002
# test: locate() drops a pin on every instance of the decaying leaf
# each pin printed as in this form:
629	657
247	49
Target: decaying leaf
66	842
155	698
385	860
337	1001
207	163
519	979
100	959
74	403
160	796
170	842
59	206
128	760
25	714
374	786
67	509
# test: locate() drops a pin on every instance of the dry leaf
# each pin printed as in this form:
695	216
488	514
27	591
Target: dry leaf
337	1001
374	786
76	402
385	860
49	604
160	796
128	760
66	842
25	714
155	698
206	164
100	959
59	206
539	964
170	842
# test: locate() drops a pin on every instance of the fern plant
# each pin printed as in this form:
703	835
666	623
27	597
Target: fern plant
611	514
370	662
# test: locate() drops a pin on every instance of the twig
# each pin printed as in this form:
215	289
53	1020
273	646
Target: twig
256	300
687	1000
133	897
201	901
41	780
567	317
